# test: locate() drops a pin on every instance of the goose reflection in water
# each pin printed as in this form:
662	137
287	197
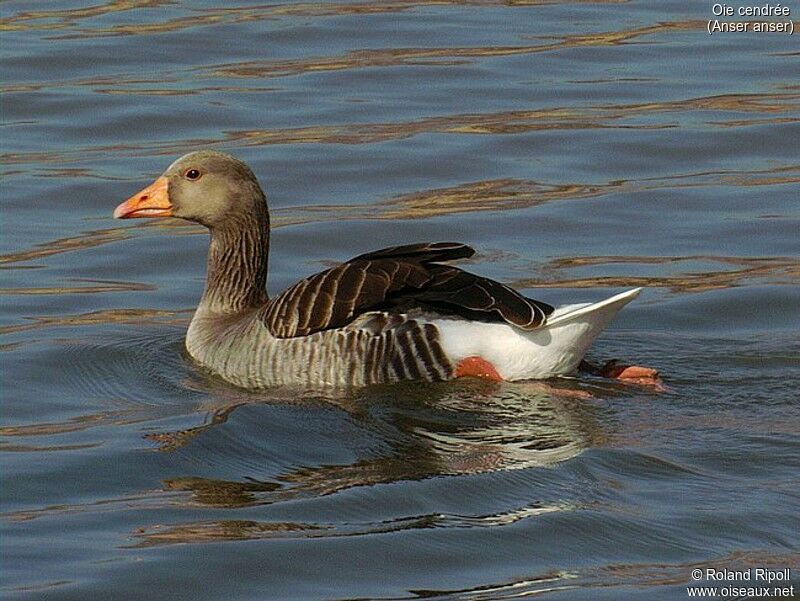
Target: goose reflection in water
436	429
467	427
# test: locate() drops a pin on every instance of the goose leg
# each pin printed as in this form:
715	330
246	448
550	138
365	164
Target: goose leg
634	374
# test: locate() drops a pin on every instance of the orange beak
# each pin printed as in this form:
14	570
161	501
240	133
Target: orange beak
153	201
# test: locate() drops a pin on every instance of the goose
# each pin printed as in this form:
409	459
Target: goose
399	313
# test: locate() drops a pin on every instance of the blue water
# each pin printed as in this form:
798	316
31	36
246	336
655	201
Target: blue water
582	147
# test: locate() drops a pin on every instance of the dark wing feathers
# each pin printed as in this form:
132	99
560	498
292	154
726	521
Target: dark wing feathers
451	287
423	252
397	278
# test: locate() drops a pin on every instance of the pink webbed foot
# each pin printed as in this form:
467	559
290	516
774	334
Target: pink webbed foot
631	374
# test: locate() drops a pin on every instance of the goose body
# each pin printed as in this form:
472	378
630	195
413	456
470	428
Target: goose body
401	313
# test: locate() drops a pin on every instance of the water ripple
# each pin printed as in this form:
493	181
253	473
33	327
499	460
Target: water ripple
504	122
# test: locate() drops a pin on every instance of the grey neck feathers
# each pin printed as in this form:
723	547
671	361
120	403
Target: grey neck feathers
237	264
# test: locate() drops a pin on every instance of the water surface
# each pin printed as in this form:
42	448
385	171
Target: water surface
581	147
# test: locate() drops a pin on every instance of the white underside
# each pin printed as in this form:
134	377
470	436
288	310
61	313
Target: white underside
553	350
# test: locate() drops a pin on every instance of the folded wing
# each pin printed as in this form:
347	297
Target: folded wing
398	279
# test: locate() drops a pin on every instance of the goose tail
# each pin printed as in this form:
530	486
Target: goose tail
572	329
513	354
596	314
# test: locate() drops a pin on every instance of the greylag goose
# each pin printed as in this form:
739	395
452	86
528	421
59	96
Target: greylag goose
399	313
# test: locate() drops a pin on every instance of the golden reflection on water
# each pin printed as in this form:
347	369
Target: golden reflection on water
221	493
238	530
62	245
504	122
71	18
172	25
388	57
774	270
119	316
486	195
520	121
25	448
59	19
75	424
102	286
221	530
131	413
359	59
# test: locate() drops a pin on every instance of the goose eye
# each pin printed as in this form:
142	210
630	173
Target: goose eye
192	174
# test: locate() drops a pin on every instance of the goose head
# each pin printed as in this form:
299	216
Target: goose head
208	187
